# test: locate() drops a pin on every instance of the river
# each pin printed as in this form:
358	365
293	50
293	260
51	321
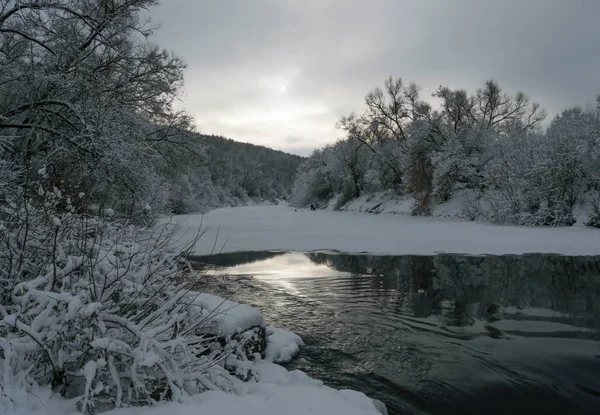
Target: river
434	334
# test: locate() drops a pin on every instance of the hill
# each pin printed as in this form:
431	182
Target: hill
233	173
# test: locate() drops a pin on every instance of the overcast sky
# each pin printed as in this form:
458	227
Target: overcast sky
280	73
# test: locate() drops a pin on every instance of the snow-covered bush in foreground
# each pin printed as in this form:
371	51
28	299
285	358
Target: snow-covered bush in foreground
102	310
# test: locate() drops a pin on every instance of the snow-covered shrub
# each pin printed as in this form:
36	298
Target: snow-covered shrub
594	219
373	181
103	310
471	208
347	194
449	165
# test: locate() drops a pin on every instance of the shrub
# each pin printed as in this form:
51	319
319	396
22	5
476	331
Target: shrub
102	310
594	219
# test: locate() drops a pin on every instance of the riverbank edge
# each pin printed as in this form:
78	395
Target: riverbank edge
465	205
273	390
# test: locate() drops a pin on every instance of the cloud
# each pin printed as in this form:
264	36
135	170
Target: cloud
264	71
294	140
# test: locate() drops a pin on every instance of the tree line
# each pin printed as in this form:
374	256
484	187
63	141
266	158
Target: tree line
232	173
489	145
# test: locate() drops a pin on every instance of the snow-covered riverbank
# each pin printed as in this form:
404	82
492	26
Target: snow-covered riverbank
278	392
275	391
282	227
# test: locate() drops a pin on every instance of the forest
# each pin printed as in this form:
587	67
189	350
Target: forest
231	173
491	148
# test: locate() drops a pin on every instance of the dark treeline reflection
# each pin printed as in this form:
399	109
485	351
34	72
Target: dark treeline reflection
436	334
479	286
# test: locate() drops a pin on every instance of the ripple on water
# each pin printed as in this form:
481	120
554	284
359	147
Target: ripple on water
439	334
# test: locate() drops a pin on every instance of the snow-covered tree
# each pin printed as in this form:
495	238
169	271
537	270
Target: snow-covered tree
490	144
85	95
104	311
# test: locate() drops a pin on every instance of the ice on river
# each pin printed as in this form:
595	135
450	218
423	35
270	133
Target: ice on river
256	228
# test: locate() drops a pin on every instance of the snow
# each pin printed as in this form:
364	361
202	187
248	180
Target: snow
282	346
227	317
11	320
278	392
89	371
536	326
109	344
39	401
284	393
75	305
282	227
533	311
150	359
391	203
56	222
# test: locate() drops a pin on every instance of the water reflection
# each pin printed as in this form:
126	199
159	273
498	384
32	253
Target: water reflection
279	268
441	334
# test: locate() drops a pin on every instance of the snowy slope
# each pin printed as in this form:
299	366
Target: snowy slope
282	227
391	203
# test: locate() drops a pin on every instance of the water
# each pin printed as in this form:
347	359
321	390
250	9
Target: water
435	334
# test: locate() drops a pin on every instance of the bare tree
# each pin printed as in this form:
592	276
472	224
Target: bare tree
85	94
